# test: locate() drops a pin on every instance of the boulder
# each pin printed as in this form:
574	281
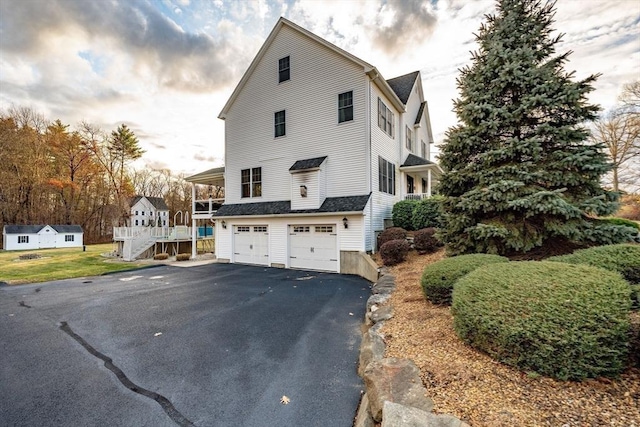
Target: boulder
378	300
394	380
383	313
396	415
385	285
372	348
363	417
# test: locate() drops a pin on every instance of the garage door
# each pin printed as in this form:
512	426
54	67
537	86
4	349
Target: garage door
251	244
313	247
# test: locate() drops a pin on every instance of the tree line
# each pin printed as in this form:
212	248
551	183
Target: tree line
53	174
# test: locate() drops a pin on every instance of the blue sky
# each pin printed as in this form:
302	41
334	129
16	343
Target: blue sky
167	67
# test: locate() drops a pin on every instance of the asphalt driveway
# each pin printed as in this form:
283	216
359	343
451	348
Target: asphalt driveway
213	345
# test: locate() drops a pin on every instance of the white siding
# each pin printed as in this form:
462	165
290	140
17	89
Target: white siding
11	242
62	243
310	99
389	149
311	180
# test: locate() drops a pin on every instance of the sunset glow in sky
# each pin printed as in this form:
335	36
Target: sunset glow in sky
167	67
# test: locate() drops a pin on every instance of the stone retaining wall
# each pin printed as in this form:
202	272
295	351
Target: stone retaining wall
394	394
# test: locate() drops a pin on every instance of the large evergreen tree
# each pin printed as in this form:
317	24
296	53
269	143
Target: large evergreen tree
518	169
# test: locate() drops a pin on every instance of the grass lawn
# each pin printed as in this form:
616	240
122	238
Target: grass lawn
58	264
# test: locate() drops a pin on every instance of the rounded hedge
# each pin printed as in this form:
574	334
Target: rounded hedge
562	320
425	240
623	258
391	233
402	214
438	278
427	213
394	251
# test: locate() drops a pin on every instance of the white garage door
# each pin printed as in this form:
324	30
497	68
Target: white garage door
251	244
313	247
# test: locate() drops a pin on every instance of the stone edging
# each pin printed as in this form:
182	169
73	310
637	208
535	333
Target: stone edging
394	394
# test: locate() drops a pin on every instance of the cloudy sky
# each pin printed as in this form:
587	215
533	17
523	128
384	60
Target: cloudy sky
167	67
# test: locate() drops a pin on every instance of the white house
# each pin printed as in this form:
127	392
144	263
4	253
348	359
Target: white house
149	211
22	237
318	148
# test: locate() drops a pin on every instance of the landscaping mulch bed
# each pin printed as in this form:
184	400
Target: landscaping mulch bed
475	388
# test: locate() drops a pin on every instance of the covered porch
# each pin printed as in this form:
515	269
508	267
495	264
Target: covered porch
418	178
211	184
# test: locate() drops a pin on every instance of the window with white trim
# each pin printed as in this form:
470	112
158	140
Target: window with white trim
386	176
324	229
251	182
385	119
423	149
284	68
409	139
243	229
23	239
301	229
260	229
280	123
69	237
345	107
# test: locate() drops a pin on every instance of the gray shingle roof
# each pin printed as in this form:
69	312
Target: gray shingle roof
413	160
156	202
331	204
307	164
402	85
420	113
32	229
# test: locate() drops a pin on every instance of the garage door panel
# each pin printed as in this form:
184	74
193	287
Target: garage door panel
251	244
313	247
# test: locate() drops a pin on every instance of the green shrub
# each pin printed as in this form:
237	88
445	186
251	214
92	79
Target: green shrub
427	213
634	342
183	257
425	240
562	320
438	278
394	251
635	297
623	258
402	214
391	233
160	256
622	221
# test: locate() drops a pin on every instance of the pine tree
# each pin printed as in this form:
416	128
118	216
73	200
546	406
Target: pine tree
518	169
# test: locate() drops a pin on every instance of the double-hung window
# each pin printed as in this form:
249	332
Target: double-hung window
251	182
23	239
345	107
423	149
280	123
284	69
68	237
409	137
385	118
386	176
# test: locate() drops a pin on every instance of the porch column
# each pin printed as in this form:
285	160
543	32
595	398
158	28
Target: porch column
194	231
429	182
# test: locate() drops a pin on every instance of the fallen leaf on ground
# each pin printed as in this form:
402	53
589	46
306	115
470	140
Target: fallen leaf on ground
285	400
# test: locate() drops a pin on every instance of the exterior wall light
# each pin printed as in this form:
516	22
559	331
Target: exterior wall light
345	222
224	224
303	190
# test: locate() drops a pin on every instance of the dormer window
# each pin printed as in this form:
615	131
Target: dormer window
283	69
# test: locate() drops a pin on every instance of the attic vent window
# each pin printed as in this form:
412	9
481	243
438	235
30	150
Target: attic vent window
283	70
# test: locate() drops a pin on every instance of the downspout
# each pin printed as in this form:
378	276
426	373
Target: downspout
371	162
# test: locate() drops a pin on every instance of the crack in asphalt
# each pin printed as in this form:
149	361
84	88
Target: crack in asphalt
22	304
165	403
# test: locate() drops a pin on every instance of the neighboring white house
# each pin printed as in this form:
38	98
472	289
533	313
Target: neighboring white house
19	237
149	211
318	148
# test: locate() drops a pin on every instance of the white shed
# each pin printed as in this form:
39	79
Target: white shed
25	237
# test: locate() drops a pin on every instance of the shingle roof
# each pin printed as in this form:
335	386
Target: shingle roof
413	160
156	202
67	228
331	204
420	113
307	164
402	85
32	229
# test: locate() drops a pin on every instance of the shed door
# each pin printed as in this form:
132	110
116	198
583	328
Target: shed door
251	244
313	247
47	240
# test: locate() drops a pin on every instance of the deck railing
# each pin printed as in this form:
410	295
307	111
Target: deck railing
417	196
